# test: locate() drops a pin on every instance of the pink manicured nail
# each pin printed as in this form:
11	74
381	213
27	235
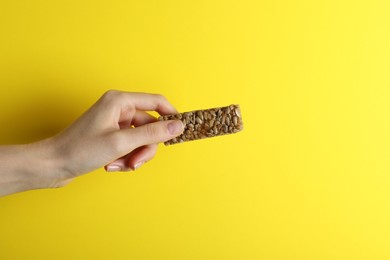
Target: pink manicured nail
113	168
137	165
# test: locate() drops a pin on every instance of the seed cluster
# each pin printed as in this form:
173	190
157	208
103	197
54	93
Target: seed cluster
206	123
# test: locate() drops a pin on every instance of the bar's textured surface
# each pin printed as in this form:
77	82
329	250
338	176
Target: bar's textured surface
206	123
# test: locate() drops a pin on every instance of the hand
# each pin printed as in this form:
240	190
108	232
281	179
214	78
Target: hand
115	132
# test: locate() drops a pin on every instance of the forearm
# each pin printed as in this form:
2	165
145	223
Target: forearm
27	167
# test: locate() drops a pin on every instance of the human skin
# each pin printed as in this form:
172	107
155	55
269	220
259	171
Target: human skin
116	133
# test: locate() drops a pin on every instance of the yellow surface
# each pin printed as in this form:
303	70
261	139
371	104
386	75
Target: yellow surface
308	178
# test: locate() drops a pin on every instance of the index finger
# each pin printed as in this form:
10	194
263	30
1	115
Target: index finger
142	101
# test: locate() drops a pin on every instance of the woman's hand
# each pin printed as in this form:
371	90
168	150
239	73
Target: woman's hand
115	132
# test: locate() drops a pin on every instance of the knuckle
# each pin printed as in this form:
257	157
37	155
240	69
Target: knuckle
115	142
112	97
152	131
110	93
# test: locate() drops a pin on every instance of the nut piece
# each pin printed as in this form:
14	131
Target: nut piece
206	123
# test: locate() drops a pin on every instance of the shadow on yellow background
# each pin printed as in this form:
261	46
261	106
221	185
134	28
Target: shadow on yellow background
308	178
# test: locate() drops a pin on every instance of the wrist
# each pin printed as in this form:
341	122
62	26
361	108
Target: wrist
46	165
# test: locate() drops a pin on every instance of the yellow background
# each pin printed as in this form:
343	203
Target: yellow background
308	178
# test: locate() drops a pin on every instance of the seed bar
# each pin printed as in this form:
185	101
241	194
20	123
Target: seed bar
207	123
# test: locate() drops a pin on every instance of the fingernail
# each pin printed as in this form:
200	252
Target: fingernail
137	165
175	127
113	168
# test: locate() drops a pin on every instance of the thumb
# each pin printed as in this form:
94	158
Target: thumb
152	133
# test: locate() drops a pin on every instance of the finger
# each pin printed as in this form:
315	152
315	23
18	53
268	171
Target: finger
133	160
139	118
139	101
150	102
147	152
153	133
142	118
122	164
119	165
142	155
